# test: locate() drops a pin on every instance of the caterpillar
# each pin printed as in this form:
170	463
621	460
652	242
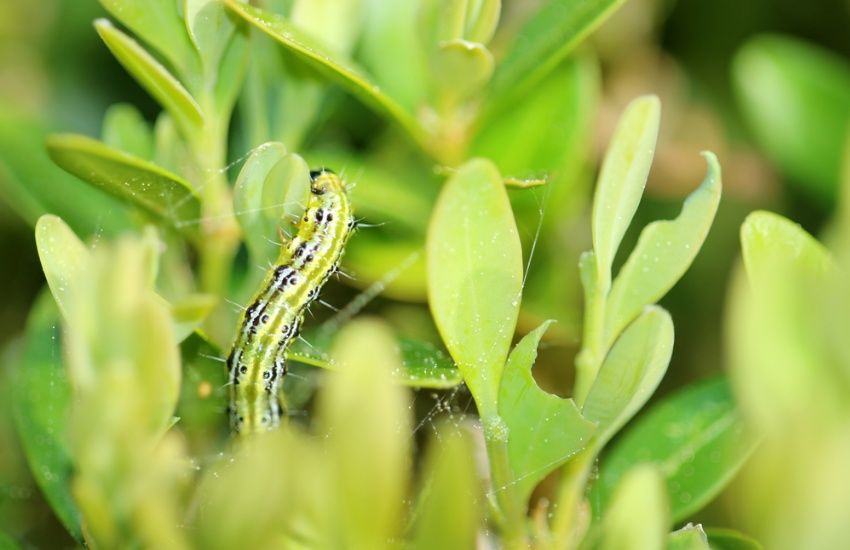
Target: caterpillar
256	364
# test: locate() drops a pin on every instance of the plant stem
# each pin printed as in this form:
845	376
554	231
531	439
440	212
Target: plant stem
219	231
511	515
566	529
593	349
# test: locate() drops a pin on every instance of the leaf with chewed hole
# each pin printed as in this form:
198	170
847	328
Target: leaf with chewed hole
544	430
663	253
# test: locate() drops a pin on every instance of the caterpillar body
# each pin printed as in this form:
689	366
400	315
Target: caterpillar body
257	360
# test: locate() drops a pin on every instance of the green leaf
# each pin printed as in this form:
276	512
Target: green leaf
125	129
155	78
7	542
271	189
40	403
210	29
474	262
464	68
230	75
689	537
139	182
543	42
336	22
422	365
390	48
481	20
623	177
630	373
115	319
638	517
32	185
447	511
663	253
696	438
230	489
365	512
159	23
728	539
340	70
544	429
796	98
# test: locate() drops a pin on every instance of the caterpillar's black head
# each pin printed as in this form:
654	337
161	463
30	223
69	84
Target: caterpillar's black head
314	174
318	180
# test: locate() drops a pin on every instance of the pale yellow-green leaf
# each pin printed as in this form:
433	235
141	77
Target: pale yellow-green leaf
638	516
464	68
663	253
630	373
623	177
448	511
474	262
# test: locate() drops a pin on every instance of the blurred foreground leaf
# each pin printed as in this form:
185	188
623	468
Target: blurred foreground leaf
448	511
371	435
638	517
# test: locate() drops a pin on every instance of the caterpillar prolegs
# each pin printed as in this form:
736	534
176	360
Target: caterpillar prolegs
257	360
